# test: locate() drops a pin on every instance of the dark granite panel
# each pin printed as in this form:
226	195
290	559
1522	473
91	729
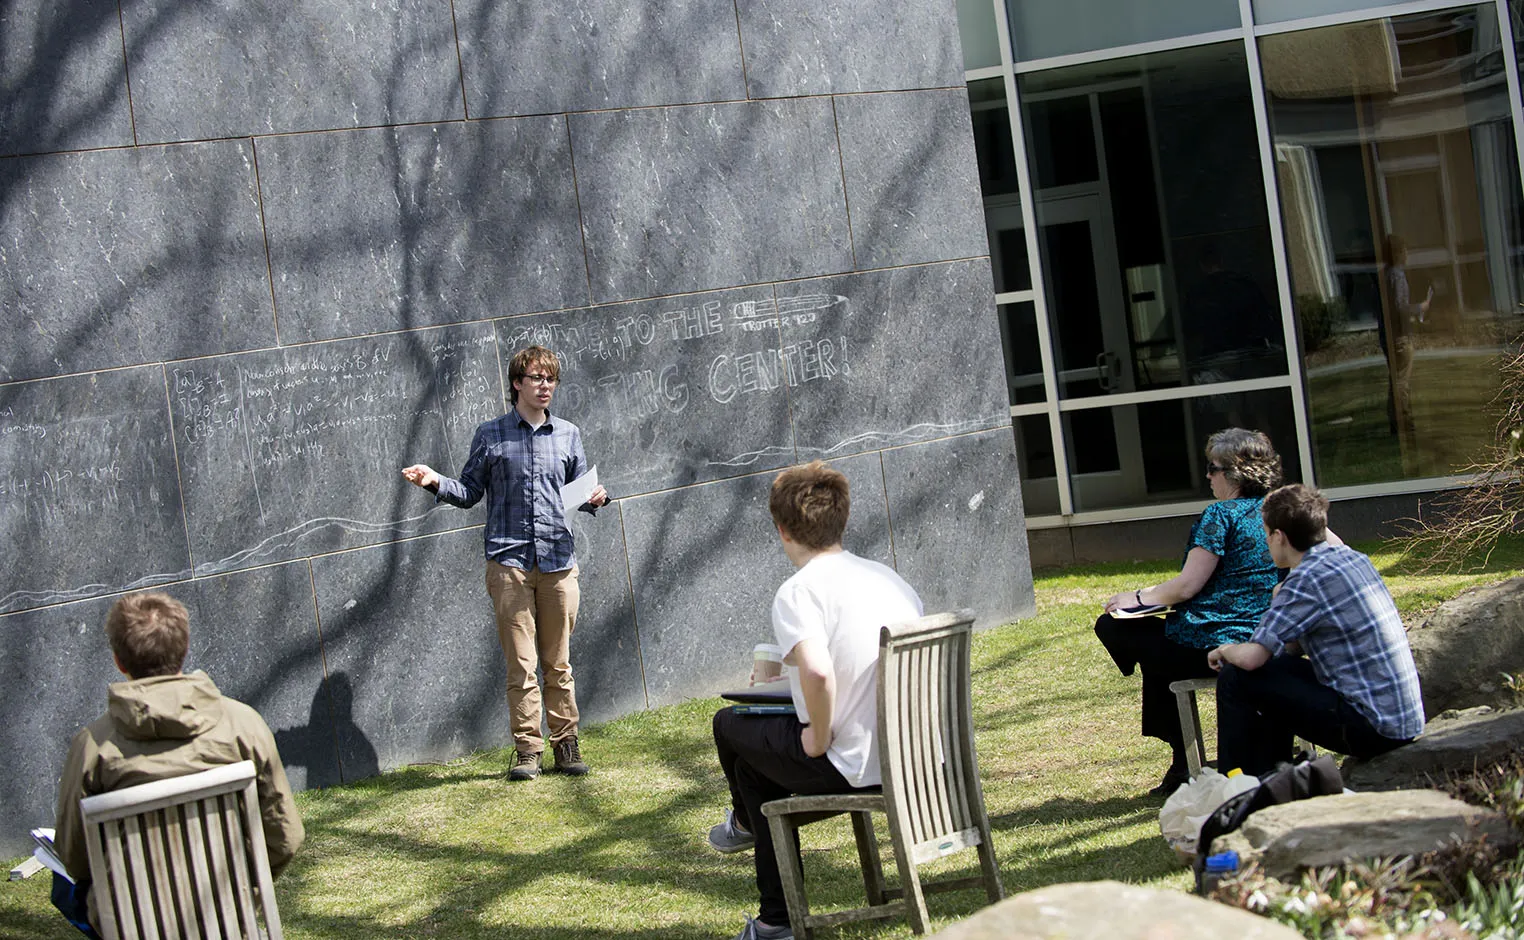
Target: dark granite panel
893	357
255	633
63	84
57	664
411	624
226	68
705	562
804	47
89	503
297	451
668	392
959	530
605	648
709	196
122	257
912	181
596	55
385	229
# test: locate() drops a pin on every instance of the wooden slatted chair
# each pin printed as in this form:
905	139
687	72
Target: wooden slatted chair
931	794
181	857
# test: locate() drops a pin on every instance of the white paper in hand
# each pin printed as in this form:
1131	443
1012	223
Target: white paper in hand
578	491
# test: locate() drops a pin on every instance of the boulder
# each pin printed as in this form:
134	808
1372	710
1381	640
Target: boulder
1457	743
1110	910
1327	830
1466	646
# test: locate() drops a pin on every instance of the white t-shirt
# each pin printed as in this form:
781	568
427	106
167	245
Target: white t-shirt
842	600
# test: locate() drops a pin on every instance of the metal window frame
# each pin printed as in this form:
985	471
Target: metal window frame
1295	380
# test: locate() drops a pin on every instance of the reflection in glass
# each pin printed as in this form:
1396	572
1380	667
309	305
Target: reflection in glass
1043	28
1023	357
976	27
1039	471
1155	237
997	181
1400	190
1165	463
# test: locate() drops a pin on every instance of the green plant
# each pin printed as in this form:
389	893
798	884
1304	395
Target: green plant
1319	318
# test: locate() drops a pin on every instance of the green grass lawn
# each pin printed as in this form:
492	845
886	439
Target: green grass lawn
453	850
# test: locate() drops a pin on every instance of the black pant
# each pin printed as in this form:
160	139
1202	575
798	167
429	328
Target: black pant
1142	642
763	759
1260	710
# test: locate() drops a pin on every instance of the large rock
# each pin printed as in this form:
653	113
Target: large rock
1466	646
1328	830
1110	910
1451	744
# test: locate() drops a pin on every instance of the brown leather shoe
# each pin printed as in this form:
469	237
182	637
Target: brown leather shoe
526	766
568	757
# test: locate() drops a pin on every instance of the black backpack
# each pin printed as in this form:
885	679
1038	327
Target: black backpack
1299	781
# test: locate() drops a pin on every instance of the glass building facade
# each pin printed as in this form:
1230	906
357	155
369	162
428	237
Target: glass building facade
1302	216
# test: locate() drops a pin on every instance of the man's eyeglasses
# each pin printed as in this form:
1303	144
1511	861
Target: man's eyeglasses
539	379
1214	468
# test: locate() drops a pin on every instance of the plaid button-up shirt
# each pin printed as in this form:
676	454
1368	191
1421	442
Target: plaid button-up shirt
1335	604
521	471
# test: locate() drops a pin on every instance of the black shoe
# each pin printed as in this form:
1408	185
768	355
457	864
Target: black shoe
526	766
1171	782
568	757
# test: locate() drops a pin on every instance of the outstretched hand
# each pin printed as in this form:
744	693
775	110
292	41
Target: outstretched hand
421	475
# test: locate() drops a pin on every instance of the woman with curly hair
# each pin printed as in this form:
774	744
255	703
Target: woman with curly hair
1223	587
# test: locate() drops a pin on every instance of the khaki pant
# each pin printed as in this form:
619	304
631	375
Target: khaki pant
536	614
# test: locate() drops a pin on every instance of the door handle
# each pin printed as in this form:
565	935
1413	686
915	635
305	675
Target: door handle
1108	370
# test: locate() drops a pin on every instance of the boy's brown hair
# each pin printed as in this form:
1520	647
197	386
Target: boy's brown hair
149	633
531	357
1300	512
811	504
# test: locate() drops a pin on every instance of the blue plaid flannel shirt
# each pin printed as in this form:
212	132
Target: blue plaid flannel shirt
1336	605
521	471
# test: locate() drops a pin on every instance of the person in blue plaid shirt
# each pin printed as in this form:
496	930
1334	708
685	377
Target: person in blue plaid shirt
519	462
1353	690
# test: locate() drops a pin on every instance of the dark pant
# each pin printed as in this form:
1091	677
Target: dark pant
1260	710
764	760
1142	643
72	901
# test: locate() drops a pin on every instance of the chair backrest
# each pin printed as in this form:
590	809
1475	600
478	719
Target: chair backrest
926	734
181	857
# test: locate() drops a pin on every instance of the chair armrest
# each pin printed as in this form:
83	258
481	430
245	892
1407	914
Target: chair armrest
829	803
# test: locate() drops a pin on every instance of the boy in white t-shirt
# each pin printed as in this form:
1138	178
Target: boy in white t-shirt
826	619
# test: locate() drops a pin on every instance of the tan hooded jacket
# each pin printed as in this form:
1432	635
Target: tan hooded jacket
169	726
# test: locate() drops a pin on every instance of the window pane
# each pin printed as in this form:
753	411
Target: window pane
1023	357
976	27
1155	237
1043	28
1136	455
1034	457
997	181
1279	11
1400	191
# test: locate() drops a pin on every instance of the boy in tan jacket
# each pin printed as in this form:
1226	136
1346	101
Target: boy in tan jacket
162	723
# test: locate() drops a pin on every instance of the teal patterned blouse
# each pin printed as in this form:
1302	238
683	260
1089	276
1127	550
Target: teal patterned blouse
1229	606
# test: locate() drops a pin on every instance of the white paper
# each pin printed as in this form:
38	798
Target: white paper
578	491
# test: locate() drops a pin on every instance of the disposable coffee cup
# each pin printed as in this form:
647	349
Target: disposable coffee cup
766	663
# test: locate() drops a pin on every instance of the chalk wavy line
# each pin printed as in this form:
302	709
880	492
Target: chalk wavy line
916	432
32	599
296	533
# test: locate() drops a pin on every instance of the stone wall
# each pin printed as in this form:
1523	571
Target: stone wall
255	257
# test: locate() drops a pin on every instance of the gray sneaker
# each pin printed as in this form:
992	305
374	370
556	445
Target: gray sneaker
729	836
526	766
754	930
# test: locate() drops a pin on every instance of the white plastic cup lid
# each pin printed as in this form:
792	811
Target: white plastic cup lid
768	651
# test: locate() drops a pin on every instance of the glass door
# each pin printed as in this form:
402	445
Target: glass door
1088	319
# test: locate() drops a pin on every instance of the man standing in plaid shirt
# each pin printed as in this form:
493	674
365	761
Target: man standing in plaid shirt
519	462
1355	691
